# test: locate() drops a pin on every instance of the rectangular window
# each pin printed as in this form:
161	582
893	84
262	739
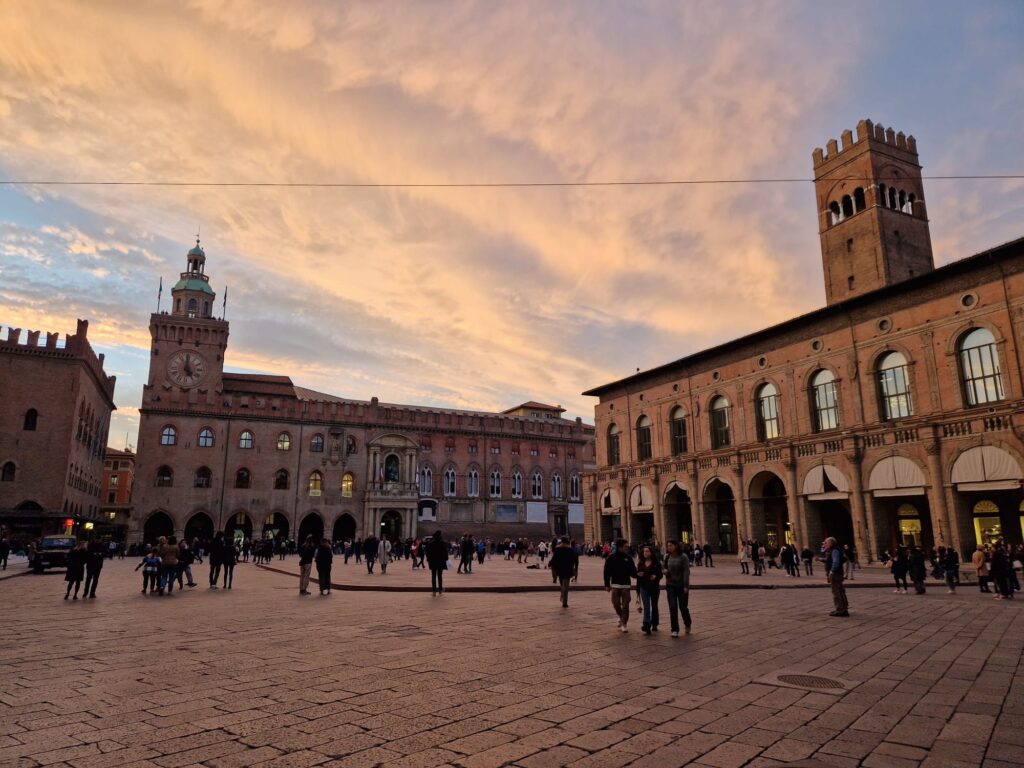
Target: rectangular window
982	381
720	427
895	390
614	457
678	436
768	418
506	513
826	407
112	497
643	443
462	513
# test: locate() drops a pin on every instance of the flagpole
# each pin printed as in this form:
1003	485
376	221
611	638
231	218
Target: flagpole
224	308
159	294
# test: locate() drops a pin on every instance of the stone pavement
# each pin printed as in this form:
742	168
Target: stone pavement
503	575
260	676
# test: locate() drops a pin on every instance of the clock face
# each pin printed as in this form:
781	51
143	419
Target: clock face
186	369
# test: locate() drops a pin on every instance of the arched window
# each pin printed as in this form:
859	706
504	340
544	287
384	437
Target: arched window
449	482
281	480
719	418
537	486
614	456
767	406
903	201
392	469
31	419
910	203
316	483
847	206
168	435
556	486
348	483
979	368
894	387
473	483
284	442
427	481
206	309
242	478
824	401
245	440
677	430
164	477
883	196
858	199
7	473
316	444
495	488
835	213
643	438
574	487
193	307
206	438
893	199
204	478
517	485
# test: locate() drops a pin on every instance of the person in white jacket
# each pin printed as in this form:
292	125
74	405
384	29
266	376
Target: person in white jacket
384	554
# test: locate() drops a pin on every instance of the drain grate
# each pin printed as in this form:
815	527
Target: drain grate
810	681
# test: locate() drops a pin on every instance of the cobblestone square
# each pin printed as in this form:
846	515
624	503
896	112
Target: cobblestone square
257	675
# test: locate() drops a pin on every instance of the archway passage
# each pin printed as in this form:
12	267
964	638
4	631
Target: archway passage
391	525
311	525
239	527
770	512
275	526
199	526
678	515
836	521
642	527
159	524
611	527
345	527
720	515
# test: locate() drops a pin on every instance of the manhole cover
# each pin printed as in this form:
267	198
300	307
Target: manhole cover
810	681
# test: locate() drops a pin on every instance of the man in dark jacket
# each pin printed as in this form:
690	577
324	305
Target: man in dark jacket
370	545
93	566
619	572
565	565
437	560
834	559
306	554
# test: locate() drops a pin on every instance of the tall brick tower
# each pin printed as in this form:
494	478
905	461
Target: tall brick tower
871	211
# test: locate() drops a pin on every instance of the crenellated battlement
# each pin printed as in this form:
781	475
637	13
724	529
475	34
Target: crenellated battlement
867	132
70	346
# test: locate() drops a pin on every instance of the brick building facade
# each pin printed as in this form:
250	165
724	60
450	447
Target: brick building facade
257	455
116	492
54	417
892	415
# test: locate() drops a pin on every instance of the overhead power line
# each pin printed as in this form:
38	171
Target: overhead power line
463	185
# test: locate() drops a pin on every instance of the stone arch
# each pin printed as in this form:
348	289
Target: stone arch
678	507
958	333
199	526
345	527
311	525
238	525
159	523
721	526
770	520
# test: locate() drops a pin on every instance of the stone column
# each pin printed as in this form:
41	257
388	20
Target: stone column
744	511
625	515
793	508
857	502
871	514
941	521
660	528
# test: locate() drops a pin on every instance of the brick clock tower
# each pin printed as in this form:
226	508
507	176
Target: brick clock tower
871	211
187	355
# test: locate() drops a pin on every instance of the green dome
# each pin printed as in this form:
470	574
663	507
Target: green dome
197	251
191	284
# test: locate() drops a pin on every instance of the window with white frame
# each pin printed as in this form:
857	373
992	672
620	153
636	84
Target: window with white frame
206	438
574	487
495	488
556	486
449	482
427	481
537	486
473	483
517	485
168	435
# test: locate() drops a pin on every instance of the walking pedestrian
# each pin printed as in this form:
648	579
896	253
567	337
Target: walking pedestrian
648	587
619	572
437	559
216	558
951	567
834	559
168	564
565	565
677	586
5	551
370	549
93	566
306	554
384	554
1000	569
186	557
918	570
708	559
808	557
324	558
744	557
150	566
77	559
900	564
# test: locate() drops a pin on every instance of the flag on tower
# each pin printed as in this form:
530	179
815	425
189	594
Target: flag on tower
159	293
224	308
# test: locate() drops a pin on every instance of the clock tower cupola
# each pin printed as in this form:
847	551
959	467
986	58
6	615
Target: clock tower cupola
188	343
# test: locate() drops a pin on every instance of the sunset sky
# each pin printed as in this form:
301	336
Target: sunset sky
472	298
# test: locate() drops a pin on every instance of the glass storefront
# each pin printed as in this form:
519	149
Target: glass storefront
909	521
988	527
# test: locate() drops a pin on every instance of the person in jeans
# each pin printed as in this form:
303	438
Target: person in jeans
980	564
565	565
951	567
808	557
229	559
169	564
306	554
93	566
677	586
648	587
833	558
619	572
437	560
216	558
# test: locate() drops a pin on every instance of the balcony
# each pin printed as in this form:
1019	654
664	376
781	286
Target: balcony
393	490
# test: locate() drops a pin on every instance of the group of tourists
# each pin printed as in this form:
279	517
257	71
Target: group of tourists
170	562
648	570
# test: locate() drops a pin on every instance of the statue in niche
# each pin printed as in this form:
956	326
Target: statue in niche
350	445
391	469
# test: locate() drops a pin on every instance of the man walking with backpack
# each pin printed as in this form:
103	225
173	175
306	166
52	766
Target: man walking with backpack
565	565
834	559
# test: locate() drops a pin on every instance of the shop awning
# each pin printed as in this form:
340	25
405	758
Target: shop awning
826	482
986	468
897	476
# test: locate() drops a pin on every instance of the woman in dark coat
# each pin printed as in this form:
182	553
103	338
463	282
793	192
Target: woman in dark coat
899	570
437	559
77	559
324	558
918	570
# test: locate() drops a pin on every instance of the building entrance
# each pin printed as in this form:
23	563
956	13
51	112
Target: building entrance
391	525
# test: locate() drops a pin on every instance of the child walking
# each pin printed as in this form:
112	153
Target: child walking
150	566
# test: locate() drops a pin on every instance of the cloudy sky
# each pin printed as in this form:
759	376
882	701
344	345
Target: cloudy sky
477	298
